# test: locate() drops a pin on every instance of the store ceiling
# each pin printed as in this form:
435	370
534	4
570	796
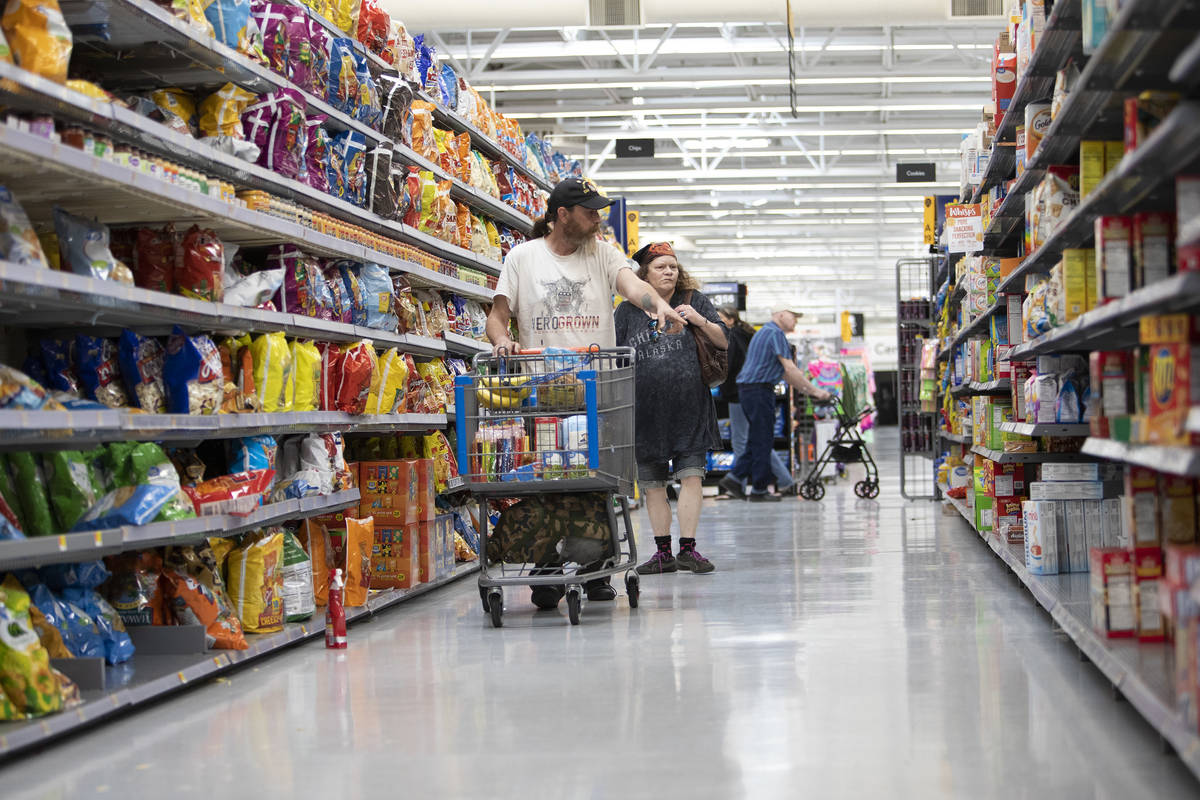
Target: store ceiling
804	207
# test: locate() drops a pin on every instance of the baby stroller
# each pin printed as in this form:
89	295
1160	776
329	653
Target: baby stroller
846	446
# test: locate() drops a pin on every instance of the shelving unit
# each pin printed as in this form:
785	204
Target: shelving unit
146	47
915	290
1150	44
1143	674
158	676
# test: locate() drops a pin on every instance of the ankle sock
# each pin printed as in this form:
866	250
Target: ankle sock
664	543
686	544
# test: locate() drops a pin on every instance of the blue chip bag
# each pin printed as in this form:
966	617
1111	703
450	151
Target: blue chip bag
35	369
253	452
8	531
142	359
448	86
376	286
342	88
358	305
230	20
192	374
118	647
346	169
58	360
80	633
85	574
97	366
129	505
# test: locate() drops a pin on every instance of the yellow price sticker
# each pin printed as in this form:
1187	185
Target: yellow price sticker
182	677
62	544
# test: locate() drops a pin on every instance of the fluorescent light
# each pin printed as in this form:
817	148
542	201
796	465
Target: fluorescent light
666	133
737	144
611	180
815	153
867	80
577	112
794	186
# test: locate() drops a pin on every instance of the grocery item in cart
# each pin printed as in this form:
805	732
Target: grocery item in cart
38	37
18	240
553	529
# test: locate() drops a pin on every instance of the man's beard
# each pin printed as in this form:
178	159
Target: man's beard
580	233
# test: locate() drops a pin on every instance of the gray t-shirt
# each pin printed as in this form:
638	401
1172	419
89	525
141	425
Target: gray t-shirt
674	412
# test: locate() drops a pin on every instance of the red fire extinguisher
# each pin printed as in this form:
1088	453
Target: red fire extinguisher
335	614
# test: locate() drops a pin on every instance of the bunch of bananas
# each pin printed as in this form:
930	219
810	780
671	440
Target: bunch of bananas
502	391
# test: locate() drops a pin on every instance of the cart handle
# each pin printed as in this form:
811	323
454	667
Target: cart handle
537	351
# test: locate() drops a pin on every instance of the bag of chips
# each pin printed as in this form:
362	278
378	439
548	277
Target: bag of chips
397	100
129	505
305	387
58	357
230	397
253	453
156	258
237	494
83	247
434	311
348	271
414	197
79	631
134	589
34	504
445	466
199	271
393	378
424	141
319	44
344	545
98	370
48	635
277	125
382	196
369	108
272	23
317	154
20	392
341	307
253	290
255	571
375	285
192	374
178	110
355	377
347	165
26	680
297	580
72	484
272	370
18	240
232	25
118	647
299	54
342	89
38	37
221	112
197	592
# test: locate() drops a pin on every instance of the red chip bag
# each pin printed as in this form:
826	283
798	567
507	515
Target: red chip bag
155	258
237	494
190	601
198	272
374	26
346	376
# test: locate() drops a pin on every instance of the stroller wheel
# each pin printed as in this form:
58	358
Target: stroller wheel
816	491
862	488
805	491
873	489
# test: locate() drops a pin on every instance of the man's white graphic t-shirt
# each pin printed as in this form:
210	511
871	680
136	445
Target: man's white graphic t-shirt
562	301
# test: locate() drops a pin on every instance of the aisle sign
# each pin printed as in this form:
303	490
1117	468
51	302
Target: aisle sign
964	227
721	294
916	173
632	220
930	221
852	326
635	148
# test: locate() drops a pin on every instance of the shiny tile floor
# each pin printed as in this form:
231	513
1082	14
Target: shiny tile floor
847	648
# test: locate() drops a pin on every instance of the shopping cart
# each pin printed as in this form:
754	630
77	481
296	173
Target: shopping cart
845	446
550	422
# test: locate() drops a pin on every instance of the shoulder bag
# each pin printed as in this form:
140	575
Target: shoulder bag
714	362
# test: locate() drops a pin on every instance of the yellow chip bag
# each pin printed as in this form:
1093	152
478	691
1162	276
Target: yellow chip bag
345	15
272	370
304	389
25	675
393	378
412	447
178	109
431	372
38	36
256	581
221	111
437	448
83	87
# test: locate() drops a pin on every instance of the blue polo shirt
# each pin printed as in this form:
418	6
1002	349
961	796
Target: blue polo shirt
762	356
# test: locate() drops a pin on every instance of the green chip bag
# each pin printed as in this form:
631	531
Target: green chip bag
9	493
73	488
298	602
36	519
143	463
25	674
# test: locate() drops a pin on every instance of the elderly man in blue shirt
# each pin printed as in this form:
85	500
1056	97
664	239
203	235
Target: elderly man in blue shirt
768	360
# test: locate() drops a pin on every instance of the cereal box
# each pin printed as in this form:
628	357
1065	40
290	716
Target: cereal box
1041	536
1112	592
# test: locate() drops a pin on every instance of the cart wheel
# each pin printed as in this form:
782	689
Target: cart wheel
574	601
818	491
806	491
861	488
633	588
483	595
496	606
873	489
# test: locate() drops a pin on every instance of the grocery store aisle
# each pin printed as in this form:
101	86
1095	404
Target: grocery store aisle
848	648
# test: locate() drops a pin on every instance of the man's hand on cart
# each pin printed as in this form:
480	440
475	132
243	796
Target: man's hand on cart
505	347
823	397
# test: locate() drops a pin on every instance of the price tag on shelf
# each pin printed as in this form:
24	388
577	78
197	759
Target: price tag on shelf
62	544
98	538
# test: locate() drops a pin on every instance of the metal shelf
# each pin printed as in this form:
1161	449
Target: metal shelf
484	143
1001	164
1172	147
456	343
1136	53
960	438
89	545
117	194
979	325
155	676
1044	429
1143	673
1114	326
1058	42
44	298
48	430
1032	458
1186	70
517	488
1001	386
1177	460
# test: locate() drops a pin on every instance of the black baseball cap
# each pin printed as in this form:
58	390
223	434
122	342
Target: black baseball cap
577	192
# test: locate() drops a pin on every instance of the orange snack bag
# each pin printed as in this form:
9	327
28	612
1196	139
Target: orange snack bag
39	37
348	548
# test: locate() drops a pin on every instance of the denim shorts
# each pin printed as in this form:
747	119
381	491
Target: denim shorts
654	474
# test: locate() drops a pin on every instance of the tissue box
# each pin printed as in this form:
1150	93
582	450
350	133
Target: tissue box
1040	521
